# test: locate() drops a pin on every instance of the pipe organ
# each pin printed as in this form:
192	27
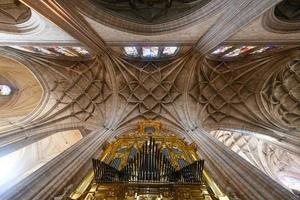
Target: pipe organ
147	164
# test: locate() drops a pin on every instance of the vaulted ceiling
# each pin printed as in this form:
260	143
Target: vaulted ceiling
66	65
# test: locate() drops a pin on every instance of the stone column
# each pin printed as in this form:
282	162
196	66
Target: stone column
21	138
47	181
234	174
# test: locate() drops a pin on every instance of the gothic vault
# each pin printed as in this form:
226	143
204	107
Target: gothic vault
223	75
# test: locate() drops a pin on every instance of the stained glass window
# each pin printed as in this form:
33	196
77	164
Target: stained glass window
261	50
131	51
55	50
64	51
169	51
81	51
233	51
21	48
5	90
239	51
221	49
43	50
150	52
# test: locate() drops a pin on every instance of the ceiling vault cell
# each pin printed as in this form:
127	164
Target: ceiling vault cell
25	92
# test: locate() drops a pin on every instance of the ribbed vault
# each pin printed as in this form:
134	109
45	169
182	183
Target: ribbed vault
278	163
191	95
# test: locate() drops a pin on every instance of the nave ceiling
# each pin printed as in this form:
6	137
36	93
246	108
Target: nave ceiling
191	94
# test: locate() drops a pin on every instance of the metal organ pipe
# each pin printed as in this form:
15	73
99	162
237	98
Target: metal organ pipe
149	165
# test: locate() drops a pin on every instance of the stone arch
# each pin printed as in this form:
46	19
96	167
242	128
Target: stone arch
27	92
283	18
17	18
179	22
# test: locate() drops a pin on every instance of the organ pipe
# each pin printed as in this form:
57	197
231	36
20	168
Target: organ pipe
149	165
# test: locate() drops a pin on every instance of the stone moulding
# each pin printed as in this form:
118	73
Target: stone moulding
33	25
272	24
90	9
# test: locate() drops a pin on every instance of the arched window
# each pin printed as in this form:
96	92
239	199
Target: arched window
56	51
229	52
150	52
5	90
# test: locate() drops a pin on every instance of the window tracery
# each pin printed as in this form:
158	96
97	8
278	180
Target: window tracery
231	52
150	52
221	49
261	50
131	51
56	51
239	51
169	51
